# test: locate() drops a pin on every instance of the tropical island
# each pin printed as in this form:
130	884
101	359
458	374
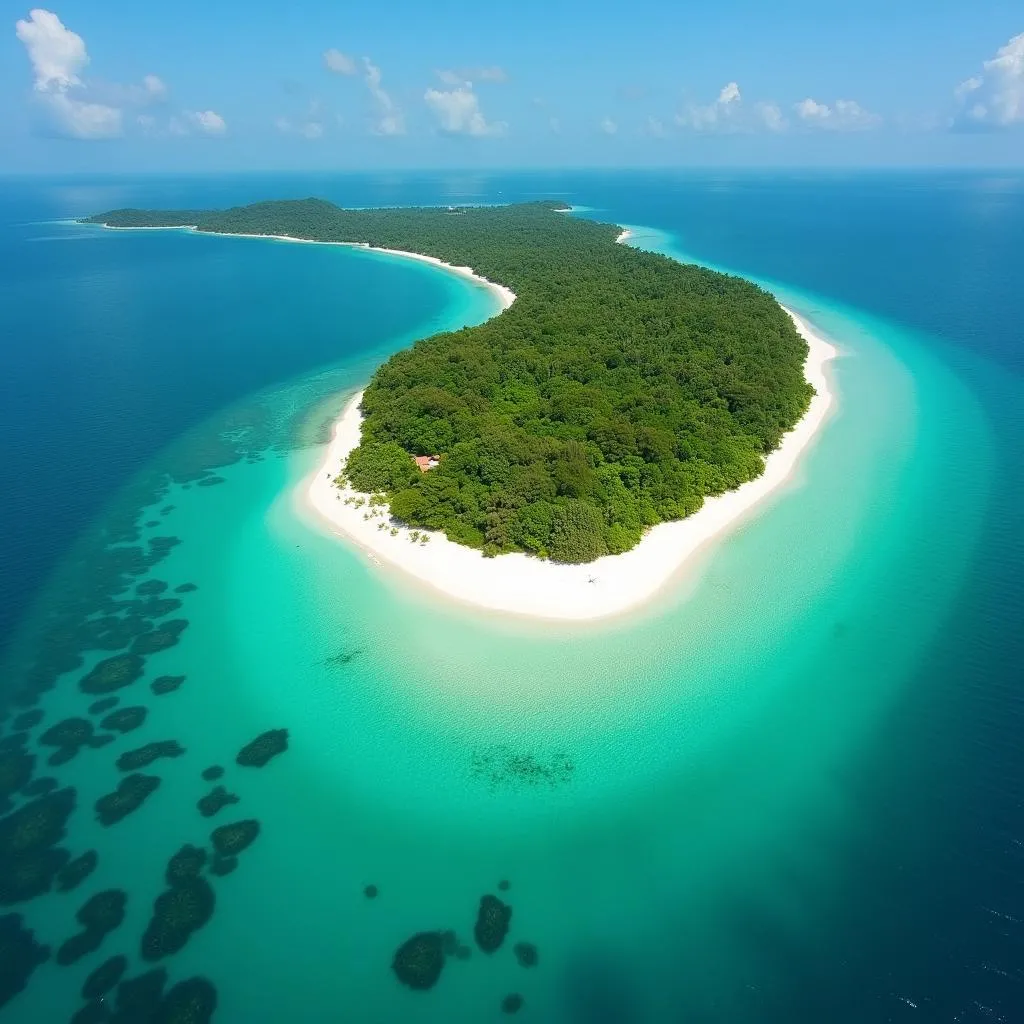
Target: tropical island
620	392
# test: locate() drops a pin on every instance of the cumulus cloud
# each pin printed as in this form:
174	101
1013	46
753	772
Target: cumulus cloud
58	56
770	116
842	116
389	119
340	63
994	98
655	128
75	107
722	115
608	126
458	112
207	122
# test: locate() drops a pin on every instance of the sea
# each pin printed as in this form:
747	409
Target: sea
790	789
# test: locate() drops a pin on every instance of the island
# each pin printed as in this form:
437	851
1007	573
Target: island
561	459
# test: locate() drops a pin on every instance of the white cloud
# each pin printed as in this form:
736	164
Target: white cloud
608	126
208	122
389	118
722	115
465	76
154	87
57	54
655	128
458	112
770	116
842	116
305	129
995	98
338	62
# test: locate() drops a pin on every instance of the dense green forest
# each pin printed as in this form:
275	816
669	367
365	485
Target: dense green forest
619	390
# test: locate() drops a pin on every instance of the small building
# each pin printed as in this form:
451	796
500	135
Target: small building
426	462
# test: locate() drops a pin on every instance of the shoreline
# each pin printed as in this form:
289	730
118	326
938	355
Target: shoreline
502	293
526	586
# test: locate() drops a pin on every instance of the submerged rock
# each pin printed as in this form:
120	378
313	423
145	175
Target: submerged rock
125	719
148	588
93	1012
15	741
231	840
166	684
36	825
101	740
215	801
492	921
370	892
185	865
177	913
164	636
221	866
129	796
138	998
40	787
113	674
25	876
189	1002
20	955
99	915
260	750
28	719
62	756
72	732
526	954
213	773
105	977
77	871
418	961
512	1003
503	885
97	707
185	588
15	771
144	756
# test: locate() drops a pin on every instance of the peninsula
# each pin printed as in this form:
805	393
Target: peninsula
621	412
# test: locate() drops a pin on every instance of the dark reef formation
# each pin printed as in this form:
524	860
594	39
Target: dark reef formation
512	1003
370	892
166	684
215	801
185	865
139	998
129	796
166	635
29	861
231	840
149	588
526	954
185	588
418	961
213	773
221	866
113	674
76	871
98	916
15	771
503	768
20	955
97	707
71	734
177	913
189	1002
492	921
40	786
503	885
101	740
260	750
142	757
124	719
105	977
28	719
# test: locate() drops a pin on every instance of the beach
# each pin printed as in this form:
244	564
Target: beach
523	585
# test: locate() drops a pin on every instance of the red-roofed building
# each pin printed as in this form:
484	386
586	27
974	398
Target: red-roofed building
426	462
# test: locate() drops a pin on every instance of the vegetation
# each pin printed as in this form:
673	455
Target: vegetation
619	390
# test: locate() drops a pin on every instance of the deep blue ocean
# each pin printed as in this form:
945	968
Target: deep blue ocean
116	349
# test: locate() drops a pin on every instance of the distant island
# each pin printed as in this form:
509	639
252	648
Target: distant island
619	391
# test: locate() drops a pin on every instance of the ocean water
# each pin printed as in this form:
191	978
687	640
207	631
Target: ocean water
788	790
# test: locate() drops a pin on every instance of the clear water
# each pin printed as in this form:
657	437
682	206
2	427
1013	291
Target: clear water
787	791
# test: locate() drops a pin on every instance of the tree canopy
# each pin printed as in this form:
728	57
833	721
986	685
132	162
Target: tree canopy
619	390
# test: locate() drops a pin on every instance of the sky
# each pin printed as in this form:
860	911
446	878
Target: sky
116	86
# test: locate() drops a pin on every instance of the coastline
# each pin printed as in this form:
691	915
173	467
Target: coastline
523	585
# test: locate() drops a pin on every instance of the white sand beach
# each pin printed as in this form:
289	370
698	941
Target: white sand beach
524	585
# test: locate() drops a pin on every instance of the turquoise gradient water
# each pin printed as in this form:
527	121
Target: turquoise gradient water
709	809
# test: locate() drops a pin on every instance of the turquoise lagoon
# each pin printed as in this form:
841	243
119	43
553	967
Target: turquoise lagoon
690	803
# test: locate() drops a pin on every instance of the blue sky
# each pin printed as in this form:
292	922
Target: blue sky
91	86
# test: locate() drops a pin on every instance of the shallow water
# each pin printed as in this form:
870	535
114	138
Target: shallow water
760	798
